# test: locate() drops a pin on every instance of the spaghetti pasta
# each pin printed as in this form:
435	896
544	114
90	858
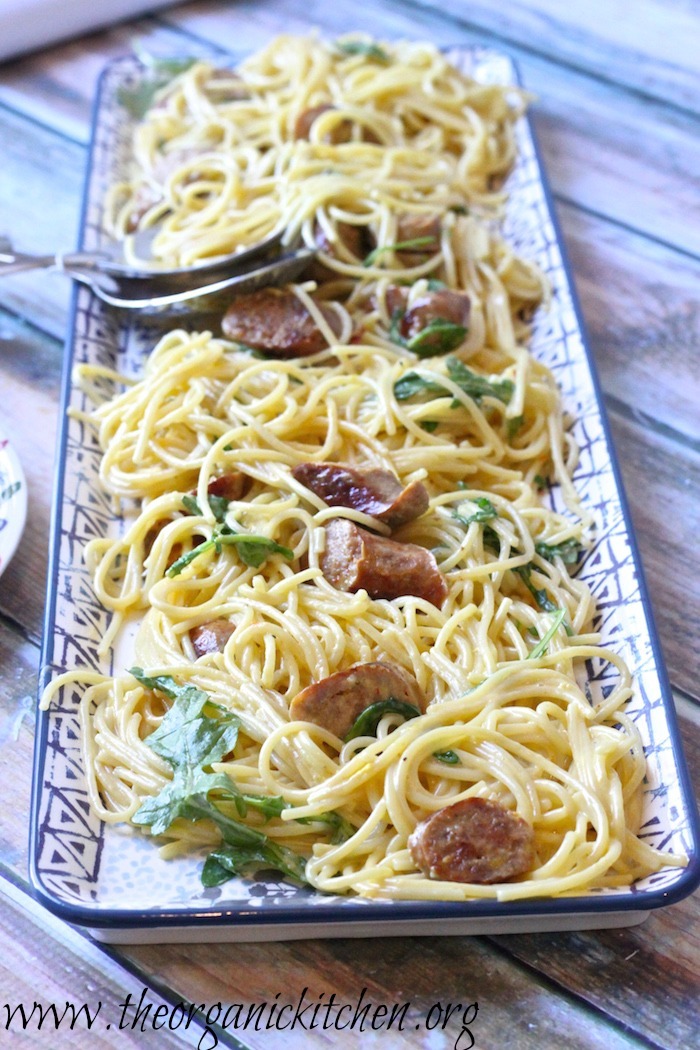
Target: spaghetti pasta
392	134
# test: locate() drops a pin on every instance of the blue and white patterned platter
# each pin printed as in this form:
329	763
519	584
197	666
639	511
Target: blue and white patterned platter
111	878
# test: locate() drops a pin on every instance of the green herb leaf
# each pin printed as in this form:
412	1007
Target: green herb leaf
366	723
193	735
412	383
190	739
474	385
416	243
477	386
341	829
222	864
253	550
438	337
486	512
218	504
138	100
430	425
538	593
359	47
513	426
541	648
434	285
450	758
569	551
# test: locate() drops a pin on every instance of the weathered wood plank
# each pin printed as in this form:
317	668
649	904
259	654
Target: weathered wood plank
40	195
55	87
662	481
640	307
650	48
426	973
44	961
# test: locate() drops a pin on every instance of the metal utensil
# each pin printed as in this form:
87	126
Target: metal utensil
110	260
129	293
174	291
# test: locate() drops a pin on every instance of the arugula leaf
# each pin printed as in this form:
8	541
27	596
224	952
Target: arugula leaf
221	864
341	828
538	593
450	758
138	100
400	246
218	504
252	550
569	551
477	386
541	647
486	512
191	739
474	385
438	337
513	426
367	721
359	47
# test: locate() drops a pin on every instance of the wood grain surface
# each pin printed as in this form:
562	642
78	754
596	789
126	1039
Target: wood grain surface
617	114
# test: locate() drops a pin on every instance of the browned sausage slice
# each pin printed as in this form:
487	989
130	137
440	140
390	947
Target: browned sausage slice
412	227
374	491
231	486
211	637
441	305
355	559
307	118
474	840
335	702
277	322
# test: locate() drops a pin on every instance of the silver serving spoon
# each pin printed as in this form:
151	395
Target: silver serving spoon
128	293
110	260
183	291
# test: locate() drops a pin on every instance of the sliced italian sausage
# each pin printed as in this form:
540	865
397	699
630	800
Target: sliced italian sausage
335	702
414	227
341	132
211	637
231	486
277	322
441	305
373	491
355	559
352	240
474	840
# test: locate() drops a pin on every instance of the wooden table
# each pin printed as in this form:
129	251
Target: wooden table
618	117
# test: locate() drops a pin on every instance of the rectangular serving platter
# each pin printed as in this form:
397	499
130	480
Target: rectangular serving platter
111	878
